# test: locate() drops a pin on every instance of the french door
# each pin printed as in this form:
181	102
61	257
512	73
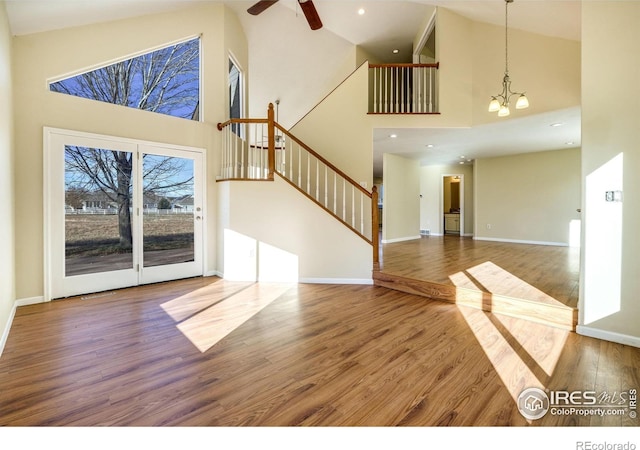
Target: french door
119	213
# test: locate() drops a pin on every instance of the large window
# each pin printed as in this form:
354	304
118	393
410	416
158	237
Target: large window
235	95
165	81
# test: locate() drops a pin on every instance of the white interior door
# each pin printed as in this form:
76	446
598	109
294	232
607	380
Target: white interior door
119	213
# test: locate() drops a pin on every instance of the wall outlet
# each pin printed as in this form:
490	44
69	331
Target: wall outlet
488	226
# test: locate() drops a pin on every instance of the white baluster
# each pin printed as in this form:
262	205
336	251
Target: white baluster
375	92
299	167
326	188
317	179
335	193
363	198
353	206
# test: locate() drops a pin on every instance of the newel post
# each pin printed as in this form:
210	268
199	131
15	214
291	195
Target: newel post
271	129
375	227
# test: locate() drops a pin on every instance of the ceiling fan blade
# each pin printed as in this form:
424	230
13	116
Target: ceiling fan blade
309	10
260	6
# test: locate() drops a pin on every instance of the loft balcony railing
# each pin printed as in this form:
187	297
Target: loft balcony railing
403	88
260	149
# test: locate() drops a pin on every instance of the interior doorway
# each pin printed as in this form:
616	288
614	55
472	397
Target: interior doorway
452	204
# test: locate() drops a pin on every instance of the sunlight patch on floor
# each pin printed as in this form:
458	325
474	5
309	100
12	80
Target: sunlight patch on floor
212	323
491	278
519	367
523	353
192	303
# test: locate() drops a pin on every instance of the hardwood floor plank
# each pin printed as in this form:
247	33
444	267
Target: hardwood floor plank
317	355
527	281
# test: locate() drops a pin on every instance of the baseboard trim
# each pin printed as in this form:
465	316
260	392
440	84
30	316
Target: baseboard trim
520	241
612	336
408	238
7	328
214	273
29	301
367	281
12	314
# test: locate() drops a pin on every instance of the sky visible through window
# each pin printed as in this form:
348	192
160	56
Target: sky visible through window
165	81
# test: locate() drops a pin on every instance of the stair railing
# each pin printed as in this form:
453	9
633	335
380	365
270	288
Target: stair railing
258	149
403	88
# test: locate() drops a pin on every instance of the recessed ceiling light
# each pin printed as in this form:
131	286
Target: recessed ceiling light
557	124
570	143
461	162
393	136
396	51
361	11
429	145
463	157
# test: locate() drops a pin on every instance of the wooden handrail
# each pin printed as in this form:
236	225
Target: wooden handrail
324	161
272	125
337	217
384	66
221	125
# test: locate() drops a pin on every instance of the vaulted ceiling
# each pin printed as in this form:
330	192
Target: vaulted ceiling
386	24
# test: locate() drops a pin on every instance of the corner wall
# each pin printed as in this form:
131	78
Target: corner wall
7	157
610	286
339	129
401	202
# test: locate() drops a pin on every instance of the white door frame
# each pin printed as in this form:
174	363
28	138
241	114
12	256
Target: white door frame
53	197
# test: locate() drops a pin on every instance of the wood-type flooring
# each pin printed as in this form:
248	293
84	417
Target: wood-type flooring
208	352
538	282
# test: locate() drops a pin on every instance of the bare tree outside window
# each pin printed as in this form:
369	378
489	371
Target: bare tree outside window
105	176
165	81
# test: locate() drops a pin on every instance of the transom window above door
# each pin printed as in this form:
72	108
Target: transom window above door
164	81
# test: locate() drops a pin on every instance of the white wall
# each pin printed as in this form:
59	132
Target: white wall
292	63
610	286
401	203
7	264
272	232
537	64
531	197
340	130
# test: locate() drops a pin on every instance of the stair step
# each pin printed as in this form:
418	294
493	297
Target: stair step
559	316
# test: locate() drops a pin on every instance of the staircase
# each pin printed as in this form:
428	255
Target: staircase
261	149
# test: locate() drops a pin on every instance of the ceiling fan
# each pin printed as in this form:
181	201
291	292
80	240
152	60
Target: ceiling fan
307	6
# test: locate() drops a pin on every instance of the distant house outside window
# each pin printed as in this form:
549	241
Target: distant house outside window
164	81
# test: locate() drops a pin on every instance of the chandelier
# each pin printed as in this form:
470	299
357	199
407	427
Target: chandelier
500	102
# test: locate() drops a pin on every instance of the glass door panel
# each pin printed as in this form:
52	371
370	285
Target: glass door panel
119	213
170	186
97	210
168	210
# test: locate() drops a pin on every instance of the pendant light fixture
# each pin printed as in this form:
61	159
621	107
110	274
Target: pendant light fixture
500	102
